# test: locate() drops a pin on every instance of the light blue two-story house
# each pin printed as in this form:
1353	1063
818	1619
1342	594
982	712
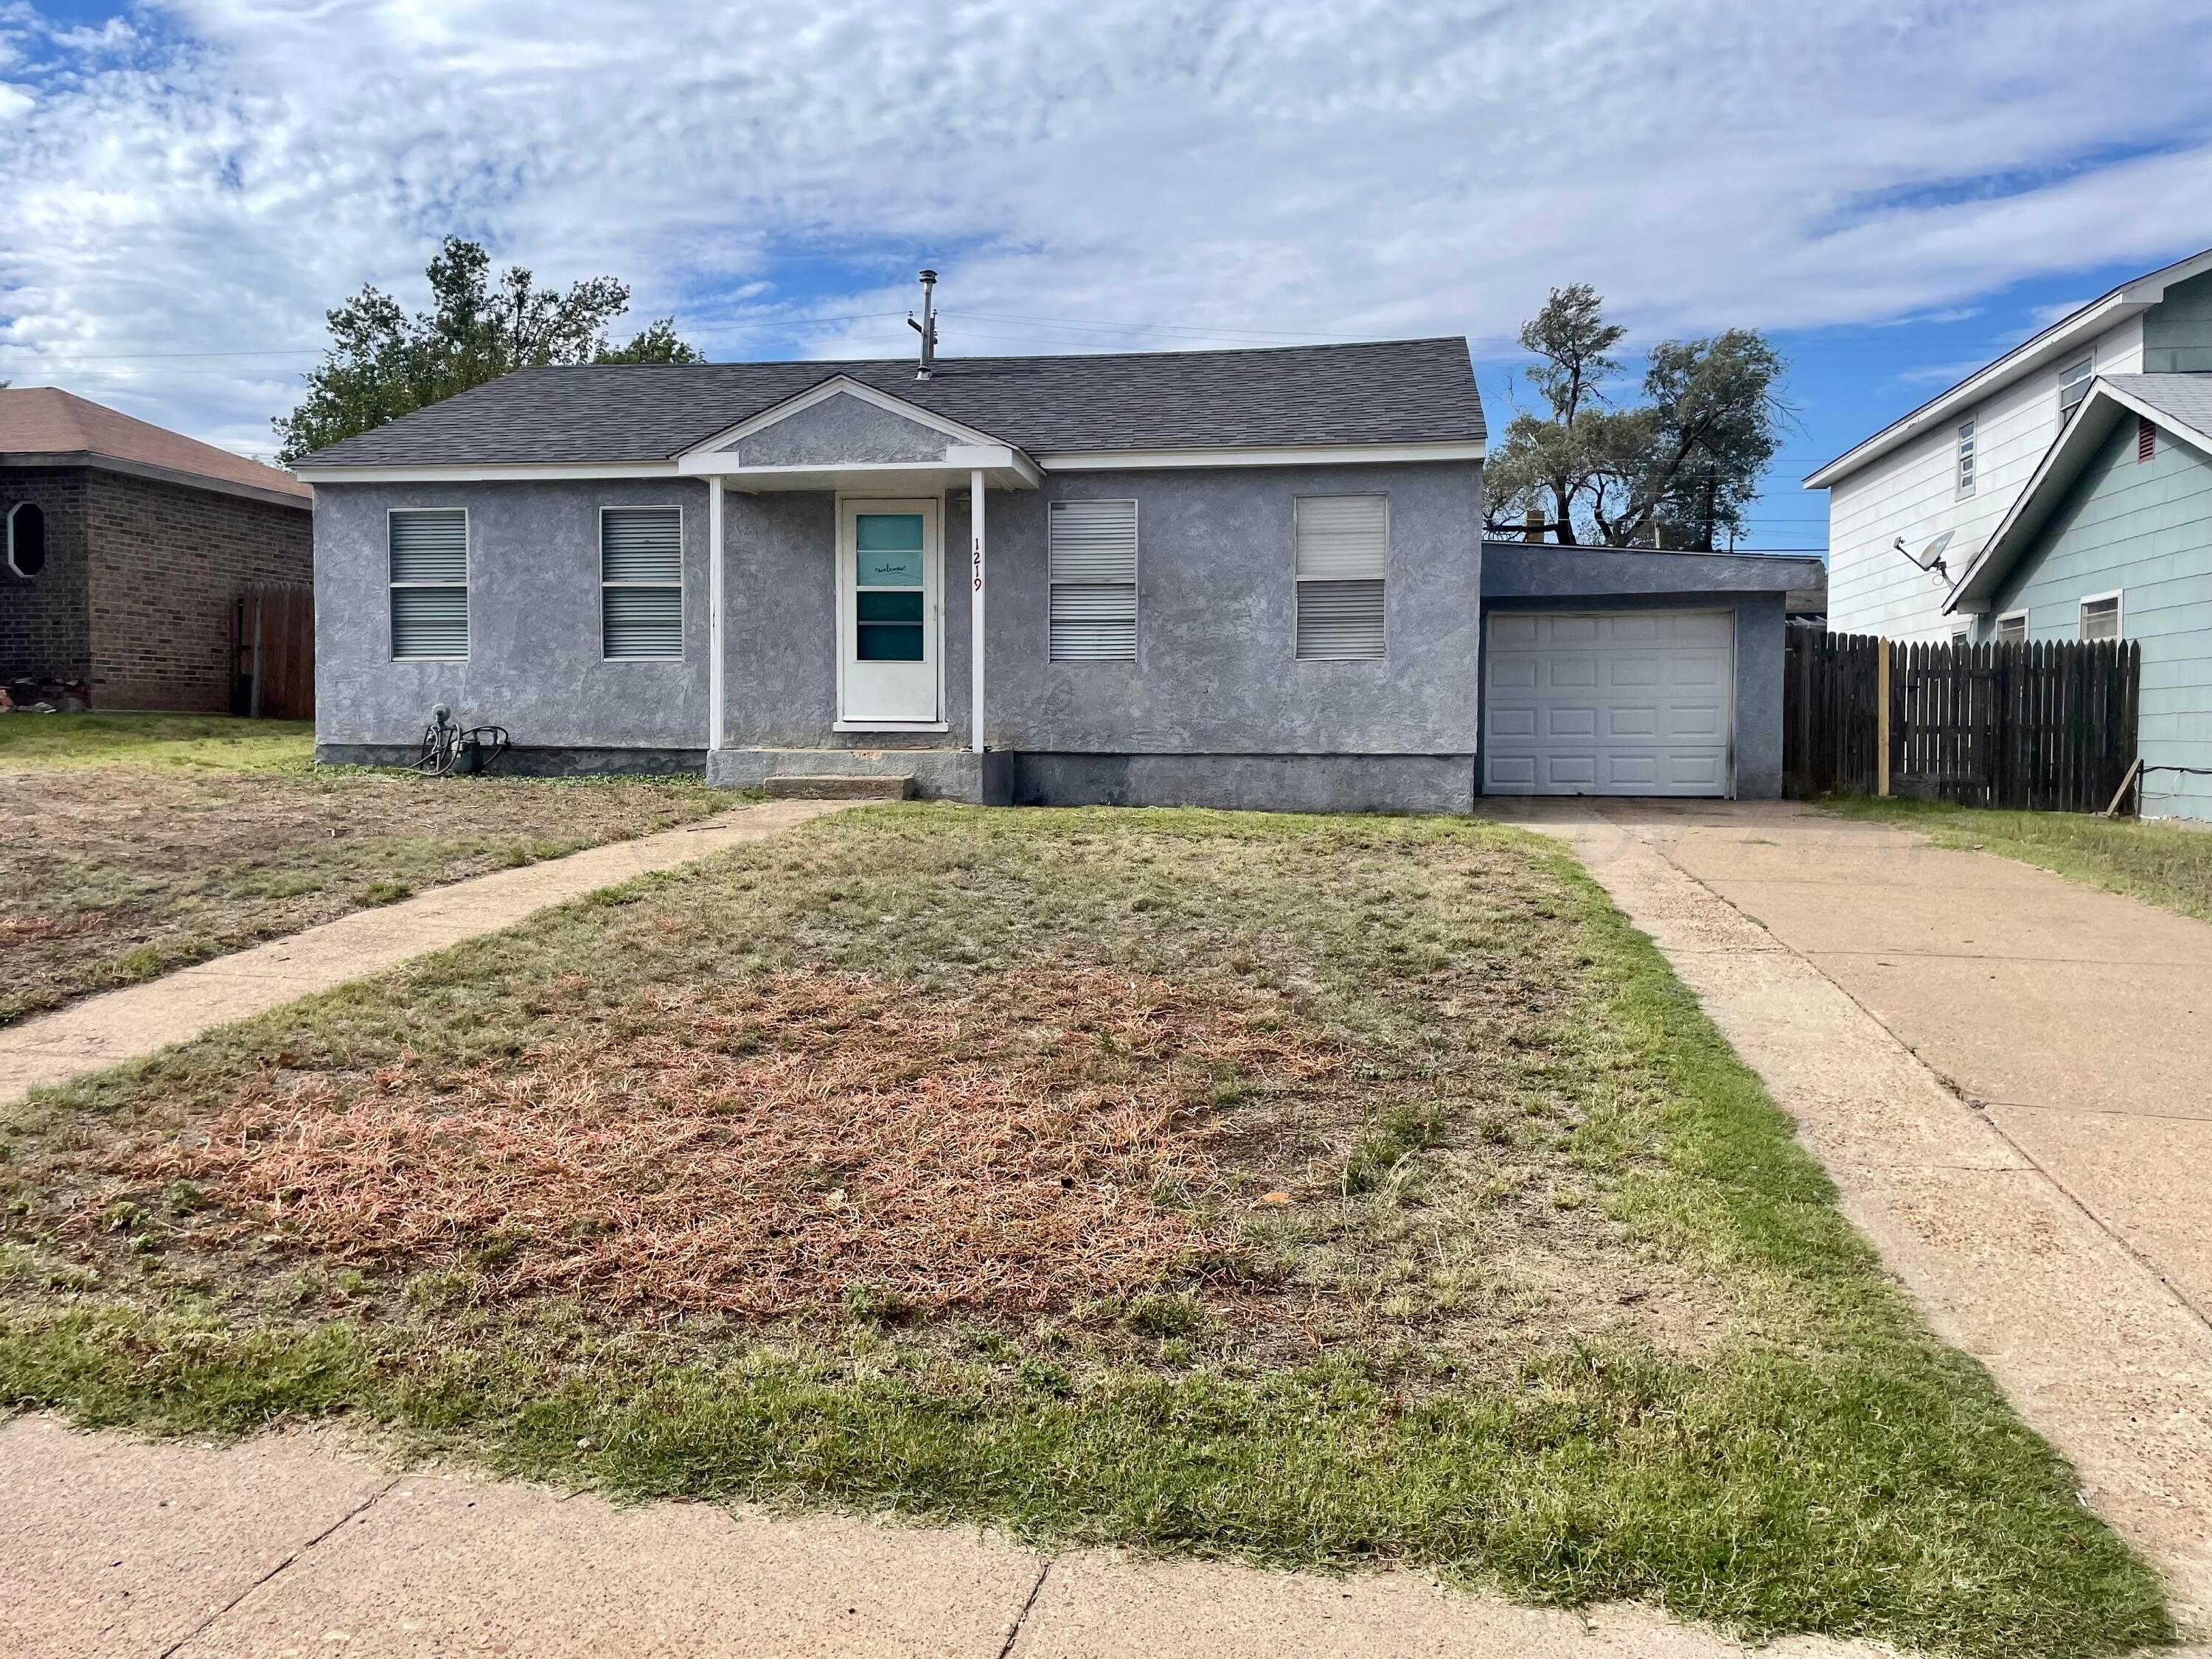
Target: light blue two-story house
2112	539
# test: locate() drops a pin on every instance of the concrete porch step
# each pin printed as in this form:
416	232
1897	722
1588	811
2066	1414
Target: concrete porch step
840	786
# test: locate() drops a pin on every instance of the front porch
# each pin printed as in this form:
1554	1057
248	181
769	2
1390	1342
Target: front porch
847	483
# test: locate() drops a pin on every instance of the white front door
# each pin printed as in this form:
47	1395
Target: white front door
890	618
1620	702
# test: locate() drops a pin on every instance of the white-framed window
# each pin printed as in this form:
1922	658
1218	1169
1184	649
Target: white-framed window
2073	386
27	538
2013	625
1962	633
1343	560
2100	616
1965	458
429	549
641	583
1092	560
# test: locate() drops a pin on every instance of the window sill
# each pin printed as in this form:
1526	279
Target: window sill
890	725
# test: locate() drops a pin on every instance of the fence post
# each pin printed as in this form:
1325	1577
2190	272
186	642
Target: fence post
1881	721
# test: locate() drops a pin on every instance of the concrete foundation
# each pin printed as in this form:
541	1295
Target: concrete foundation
562	762
1275	783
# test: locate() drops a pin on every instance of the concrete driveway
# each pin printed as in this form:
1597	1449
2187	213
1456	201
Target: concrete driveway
2010	1077
2080	1021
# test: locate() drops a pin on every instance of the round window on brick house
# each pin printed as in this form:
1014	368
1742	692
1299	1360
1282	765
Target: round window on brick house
27	538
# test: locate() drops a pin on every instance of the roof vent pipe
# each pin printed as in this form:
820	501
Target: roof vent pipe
927	327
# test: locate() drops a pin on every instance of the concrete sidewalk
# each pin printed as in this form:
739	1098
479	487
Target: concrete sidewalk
2006	1073
130	1024
112	1548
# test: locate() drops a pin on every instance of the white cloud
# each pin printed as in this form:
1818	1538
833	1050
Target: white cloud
213	180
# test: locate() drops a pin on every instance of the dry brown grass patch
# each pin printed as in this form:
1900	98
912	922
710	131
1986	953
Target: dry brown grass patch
766	1149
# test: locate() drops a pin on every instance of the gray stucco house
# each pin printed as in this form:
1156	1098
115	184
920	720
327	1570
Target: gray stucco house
1234	577
2112	539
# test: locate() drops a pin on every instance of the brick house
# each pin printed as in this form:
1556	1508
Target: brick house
126	549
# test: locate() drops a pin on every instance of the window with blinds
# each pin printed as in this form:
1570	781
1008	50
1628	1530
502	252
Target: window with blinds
2100	618
1093	578
1344	552
429	583
641	583
2012	626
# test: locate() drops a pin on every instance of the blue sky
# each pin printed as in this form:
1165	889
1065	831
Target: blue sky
1896	192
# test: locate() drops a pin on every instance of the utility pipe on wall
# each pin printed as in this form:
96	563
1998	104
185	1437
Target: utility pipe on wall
975	605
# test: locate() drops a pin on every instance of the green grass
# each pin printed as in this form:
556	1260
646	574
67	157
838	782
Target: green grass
2163	863
214	743
1804	1456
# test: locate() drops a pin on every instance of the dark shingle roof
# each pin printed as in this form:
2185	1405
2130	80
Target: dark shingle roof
1389	392
2186	398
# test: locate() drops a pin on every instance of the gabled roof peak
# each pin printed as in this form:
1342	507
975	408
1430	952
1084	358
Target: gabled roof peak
2070	332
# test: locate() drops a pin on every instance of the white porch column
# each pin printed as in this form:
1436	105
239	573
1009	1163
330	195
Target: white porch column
975	605
714	612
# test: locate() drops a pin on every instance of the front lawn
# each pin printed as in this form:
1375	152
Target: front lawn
2167	864
1318	1191
140	843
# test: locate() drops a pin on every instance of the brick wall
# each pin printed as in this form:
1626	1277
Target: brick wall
44	622
167	564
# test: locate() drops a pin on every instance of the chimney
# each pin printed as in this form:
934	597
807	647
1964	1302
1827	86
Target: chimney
927	327
1533	523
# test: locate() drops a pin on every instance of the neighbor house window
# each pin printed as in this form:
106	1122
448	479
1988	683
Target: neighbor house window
1344	551
27	538
2012	626
2072	387
1094	581
429	583
641	583
1967	458
2100	616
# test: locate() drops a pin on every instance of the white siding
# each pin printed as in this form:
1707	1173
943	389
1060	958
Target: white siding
1912	492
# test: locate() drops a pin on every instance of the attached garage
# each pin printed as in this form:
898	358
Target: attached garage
1610	703
1619	672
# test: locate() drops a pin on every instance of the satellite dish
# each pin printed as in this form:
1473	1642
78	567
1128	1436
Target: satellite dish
1929	557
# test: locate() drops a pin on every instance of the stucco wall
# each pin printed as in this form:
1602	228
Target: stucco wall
2144	528
45	621
1217	671
841	427
1216	674
535	661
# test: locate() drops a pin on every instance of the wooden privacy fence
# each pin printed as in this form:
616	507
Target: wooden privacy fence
274	633
2047	724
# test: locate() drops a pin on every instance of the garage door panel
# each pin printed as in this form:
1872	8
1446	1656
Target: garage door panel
1638	670
1626	703
1631	721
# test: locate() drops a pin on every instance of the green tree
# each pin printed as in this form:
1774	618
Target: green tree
1550	462
1677	471
383	363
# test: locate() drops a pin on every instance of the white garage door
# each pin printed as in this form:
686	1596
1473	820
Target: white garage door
1610	703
